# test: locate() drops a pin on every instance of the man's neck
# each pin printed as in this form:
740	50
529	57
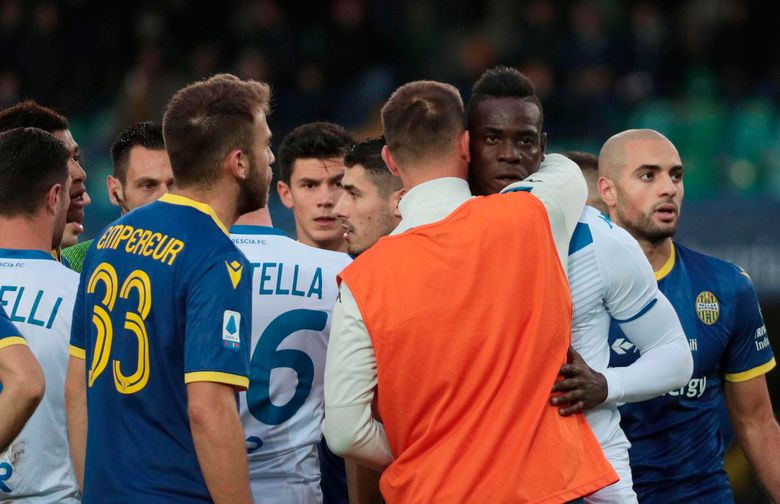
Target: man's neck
225	207
420	173
657	252
260	217
26	233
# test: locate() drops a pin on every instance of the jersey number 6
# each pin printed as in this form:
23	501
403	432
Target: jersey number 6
267	357
134	322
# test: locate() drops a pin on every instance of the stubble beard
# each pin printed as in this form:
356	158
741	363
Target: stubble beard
642	227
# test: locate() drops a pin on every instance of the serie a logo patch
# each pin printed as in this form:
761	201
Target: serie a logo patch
707	307
231	321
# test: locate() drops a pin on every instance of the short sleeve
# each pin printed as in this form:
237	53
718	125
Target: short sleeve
217	339
9	334
748	353
631	288
78	326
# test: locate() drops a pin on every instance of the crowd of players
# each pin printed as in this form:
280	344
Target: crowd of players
466	345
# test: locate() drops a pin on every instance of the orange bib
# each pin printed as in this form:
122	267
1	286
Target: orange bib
470	319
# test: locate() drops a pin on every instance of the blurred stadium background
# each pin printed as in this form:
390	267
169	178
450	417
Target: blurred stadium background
704	72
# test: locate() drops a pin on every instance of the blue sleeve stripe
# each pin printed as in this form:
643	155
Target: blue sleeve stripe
581	238
641	312
518	189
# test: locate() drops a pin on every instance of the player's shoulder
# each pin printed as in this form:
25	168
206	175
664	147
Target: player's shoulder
596	230
710	268
257	239
49	274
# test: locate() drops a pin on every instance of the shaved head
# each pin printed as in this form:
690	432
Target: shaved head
641	182
612	158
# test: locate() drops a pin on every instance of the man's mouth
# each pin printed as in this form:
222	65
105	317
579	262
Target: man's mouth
506	179
325	222
666	212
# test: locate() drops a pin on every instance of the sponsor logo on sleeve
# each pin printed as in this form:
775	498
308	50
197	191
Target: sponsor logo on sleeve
231	321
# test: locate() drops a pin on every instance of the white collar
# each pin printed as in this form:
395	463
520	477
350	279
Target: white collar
431	201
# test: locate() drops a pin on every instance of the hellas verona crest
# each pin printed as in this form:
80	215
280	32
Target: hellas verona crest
707	307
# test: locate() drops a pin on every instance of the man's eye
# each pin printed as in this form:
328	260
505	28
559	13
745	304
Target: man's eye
492	139
646	176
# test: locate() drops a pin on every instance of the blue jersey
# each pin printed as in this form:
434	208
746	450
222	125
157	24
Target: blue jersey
164	300
677	443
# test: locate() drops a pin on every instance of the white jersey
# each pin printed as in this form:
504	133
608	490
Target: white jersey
294	290
609	277
37	293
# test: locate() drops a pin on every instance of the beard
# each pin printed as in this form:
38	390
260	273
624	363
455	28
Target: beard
253	193
642	227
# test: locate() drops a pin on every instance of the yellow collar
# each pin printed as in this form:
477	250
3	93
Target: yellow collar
175	199
666	268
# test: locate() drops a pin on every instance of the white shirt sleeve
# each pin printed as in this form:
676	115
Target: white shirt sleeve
560	186
350	381
647	319
665	362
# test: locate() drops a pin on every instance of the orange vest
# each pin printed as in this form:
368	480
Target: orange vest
470	319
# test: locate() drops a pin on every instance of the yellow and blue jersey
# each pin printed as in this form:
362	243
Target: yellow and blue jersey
9	334
164	300
677	444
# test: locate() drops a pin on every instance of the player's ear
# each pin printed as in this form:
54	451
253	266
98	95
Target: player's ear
114	189
463	146
387	157
395	199
284	194
607	192
237	164
53	196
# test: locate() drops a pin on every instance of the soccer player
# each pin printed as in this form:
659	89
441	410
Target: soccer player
29	114
428	324
37	293
311	158
141	174
293	292
608	277
589	164
21	388
676	445
165	298
368	207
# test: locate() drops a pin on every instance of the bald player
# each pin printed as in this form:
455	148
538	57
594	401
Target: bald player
677	447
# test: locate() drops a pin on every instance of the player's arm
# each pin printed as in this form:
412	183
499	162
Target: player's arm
756	429
648	319
350	383
23	387
219	441
665	362
218	305
362	483
76	413
747	359
562	189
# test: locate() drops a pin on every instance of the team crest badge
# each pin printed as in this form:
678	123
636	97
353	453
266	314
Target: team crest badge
234	270
707	307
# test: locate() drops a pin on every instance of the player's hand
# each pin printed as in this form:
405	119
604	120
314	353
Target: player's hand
581	387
